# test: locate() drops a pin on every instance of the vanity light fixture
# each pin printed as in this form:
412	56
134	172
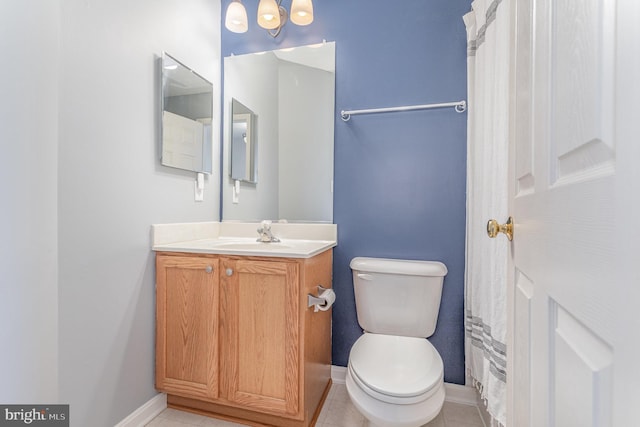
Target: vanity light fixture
271	15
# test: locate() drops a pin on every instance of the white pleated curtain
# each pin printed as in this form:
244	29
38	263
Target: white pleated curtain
487	167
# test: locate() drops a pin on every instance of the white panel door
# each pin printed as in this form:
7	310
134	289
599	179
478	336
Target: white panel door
182	140
575	200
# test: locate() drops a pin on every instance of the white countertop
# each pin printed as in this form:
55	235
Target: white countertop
233	238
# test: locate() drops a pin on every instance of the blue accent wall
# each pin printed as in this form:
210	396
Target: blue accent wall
400	178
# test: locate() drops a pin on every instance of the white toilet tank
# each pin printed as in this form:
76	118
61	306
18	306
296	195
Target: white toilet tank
398	297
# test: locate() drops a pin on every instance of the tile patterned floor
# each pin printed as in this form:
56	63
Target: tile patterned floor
337	412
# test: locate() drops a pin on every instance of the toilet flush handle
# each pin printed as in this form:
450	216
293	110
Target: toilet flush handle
364	276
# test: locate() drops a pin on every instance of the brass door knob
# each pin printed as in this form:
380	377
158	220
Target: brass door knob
494	228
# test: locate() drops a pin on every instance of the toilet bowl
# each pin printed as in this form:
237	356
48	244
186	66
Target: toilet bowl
395	375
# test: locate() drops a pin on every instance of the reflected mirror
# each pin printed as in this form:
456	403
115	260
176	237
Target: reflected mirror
187	113
243	143
292	92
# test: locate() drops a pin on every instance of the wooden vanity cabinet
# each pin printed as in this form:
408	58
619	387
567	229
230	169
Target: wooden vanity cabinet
187	294
259	314
240	342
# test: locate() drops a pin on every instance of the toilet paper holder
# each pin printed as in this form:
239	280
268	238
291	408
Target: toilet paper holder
317	301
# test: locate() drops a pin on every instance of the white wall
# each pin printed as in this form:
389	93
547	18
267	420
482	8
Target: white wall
29	42
253	80
112	188
305	158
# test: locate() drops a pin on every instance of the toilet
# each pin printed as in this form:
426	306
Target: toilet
395	376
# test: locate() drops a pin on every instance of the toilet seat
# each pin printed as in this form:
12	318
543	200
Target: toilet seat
396	369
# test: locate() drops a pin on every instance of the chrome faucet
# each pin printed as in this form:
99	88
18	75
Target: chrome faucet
265	233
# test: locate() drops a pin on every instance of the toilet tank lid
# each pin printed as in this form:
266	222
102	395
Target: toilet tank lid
399	266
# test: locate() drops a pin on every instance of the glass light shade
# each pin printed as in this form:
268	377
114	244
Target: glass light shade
236	18
268	14
301	12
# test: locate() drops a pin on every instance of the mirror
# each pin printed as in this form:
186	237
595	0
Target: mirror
243	143
187	114
292	92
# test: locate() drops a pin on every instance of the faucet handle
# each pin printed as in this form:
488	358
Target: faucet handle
265	233
266	225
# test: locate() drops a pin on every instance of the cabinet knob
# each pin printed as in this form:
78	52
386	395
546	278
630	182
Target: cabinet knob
208	269
229	271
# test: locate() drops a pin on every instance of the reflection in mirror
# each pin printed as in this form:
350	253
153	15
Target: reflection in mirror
292	91
243	143
187	113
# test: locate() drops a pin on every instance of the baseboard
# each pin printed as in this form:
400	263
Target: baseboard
338	374
454	393
146	412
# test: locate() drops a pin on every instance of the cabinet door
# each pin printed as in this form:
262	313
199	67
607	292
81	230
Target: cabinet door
259	325
186	325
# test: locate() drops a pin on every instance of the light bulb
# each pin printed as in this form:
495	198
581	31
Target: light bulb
268	14
236	17
302	12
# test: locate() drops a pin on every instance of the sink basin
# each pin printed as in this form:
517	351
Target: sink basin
253	246
290	248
